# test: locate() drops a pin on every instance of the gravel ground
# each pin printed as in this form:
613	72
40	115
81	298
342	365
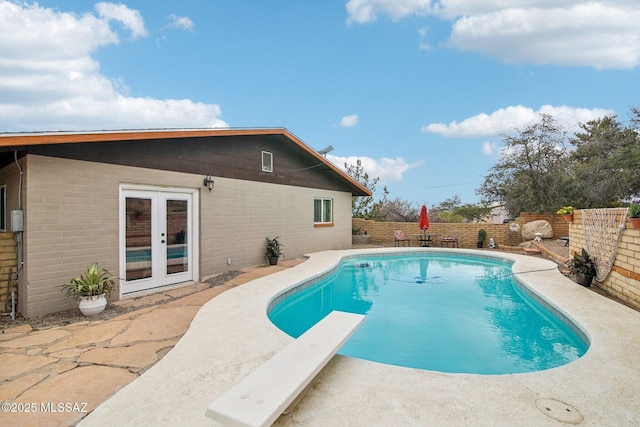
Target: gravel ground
556	246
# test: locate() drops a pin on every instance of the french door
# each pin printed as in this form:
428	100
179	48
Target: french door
156	238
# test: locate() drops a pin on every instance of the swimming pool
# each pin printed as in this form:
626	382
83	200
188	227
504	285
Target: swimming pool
436	311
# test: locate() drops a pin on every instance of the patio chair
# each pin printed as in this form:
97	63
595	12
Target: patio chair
451	239
400	238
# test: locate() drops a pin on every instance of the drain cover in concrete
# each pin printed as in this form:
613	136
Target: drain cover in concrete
559	411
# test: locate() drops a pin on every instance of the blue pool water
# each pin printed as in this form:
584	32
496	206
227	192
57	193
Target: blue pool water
437	311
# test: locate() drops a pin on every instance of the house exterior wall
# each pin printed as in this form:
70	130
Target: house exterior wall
72	219
9	176
8	267
237	216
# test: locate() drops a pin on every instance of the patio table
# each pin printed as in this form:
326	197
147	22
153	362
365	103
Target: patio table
425	240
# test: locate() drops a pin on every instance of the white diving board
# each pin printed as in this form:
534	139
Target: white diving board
261	397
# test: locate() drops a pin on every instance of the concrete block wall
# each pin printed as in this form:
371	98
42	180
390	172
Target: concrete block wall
8	267
238	216
624	280
382	232
72	219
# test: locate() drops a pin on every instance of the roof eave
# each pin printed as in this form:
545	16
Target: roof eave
47	138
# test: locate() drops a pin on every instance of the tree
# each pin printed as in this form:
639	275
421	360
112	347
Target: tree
452	210
531	173
365	206
444	212
604	164
449	204
635	117
398	210
472	213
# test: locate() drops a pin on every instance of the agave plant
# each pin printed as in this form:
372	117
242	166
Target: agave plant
95	281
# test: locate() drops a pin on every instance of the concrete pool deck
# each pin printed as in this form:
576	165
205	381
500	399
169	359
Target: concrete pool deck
231	336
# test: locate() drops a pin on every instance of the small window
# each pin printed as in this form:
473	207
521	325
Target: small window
267	161
323	211
3	208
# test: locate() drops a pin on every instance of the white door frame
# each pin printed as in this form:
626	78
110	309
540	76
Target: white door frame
158	196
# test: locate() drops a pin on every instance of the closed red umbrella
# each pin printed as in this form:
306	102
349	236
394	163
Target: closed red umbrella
424	221
424	218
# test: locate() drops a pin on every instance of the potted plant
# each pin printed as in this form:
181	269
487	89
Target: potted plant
274	250
93	288
482	236
634	214
567	212
584	268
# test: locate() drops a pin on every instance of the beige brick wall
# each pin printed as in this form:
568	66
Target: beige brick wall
239	215
382	232
9	176
8	267
624	280
72	219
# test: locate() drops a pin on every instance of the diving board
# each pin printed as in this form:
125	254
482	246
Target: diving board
261	397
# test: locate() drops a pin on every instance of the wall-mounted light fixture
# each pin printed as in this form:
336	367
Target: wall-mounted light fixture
208	182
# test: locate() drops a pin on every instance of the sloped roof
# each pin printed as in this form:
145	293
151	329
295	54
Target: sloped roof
17	141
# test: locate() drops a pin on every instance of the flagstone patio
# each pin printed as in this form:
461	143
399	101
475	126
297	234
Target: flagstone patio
56	376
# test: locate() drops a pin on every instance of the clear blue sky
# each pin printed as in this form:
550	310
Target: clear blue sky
421	91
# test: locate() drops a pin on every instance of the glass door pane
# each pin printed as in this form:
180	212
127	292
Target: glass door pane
177	229
139	251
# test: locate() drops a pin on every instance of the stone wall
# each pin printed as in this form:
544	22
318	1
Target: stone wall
624	280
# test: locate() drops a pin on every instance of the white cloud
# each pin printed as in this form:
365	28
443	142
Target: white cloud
489	148
129	18
505	120
388	170
600	34
362	11
589	34
349	121
423	45
180	22
50	81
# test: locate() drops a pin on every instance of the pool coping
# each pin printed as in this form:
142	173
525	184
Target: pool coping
231	335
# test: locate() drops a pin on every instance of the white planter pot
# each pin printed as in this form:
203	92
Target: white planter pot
90	306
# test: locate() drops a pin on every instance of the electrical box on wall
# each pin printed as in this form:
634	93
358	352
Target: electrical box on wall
17	221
